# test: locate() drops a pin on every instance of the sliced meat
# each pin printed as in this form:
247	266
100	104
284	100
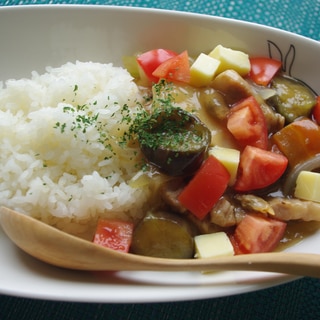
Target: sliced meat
214	103
295	209
170	192
254	203
225	213
233	86
275	121
204	226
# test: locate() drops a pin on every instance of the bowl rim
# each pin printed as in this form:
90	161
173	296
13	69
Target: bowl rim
159	11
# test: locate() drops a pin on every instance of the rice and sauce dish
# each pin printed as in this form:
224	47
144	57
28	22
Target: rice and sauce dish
187	157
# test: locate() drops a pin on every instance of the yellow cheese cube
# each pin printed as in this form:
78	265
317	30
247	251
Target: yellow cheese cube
213	245
231	59
308	186
203	70
229	158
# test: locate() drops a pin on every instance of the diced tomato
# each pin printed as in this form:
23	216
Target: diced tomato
205	188
259	168
298	141
114	234
235	244
151	60
255	234
175	69
263	70
316	111
247	124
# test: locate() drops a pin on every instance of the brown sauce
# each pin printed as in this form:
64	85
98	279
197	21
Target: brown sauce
297	231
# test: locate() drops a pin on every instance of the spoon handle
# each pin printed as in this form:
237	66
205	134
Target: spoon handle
64	250
300	264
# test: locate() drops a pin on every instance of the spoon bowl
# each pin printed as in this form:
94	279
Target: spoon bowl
60	249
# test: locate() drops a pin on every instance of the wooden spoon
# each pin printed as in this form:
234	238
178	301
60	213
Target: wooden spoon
60	249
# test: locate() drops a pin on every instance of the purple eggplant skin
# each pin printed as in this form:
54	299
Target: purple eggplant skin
182	142
293	99
163	234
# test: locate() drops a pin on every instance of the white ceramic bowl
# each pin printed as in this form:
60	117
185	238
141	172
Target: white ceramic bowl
33	37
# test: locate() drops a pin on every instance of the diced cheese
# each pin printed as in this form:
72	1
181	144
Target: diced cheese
231	59
213	245
203	70
230	158
308	186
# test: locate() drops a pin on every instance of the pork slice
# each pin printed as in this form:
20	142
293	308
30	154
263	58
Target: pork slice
170	192
254	203
295	209
233	86
225	213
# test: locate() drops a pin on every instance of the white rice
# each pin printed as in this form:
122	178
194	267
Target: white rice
56	172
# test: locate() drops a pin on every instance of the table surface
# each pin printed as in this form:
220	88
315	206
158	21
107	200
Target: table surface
295	300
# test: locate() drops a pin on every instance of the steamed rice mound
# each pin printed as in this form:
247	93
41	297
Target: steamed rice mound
61	160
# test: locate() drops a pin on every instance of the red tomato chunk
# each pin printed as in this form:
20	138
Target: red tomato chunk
151	60
247	124
175	69
316	111
256	234
263	70
259	169
205	188
114	234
